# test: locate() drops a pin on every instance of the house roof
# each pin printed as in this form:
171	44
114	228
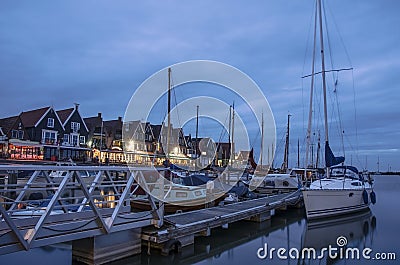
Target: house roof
64	114
93	122
32	117
156	130
7	123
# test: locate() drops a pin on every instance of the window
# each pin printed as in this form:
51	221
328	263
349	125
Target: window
75	126
50	122
82	139
14	134
74	139
66	138
49	137
17	134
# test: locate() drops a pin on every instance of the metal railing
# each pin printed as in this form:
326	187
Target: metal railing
42	205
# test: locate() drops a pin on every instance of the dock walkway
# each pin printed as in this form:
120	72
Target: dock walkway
179	229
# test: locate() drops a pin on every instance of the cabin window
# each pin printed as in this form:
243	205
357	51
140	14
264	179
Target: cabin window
181	194
82	140
50	122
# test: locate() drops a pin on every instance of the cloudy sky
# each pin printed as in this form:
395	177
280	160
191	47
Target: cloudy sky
98	52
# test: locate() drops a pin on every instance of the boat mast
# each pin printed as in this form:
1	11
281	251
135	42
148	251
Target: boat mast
229	133
233	131
197	129
323	80
168	114
286	154
298	152
262	141
311	93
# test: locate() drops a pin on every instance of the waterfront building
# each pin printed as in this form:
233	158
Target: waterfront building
73	140
40	134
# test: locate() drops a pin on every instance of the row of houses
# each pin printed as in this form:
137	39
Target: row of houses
56	135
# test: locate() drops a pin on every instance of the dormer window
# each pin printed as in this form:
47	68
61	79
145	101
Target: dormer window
50	122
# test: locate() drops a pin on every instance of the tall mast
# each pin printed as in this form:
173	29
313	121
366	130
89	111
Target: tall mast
286	154
229	132
233	131
298	152
311	93
168	114
197	129
262	140
323	80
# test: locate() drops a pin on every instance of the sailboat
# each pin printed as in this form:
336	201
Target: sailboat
343	189
176	196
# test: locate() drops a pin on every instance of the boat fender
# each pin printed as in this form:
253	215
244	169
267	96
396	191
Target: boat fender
373	197
171	245
365	196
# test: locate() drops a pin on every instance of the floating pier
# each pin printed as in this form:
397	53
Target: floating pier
180	229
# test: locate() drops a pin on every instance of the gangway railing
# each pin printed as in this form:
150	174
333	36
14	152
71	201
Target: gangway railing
42	205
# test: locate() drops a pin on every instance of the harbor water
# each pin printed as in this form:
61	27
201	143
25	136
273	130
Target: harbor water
373	235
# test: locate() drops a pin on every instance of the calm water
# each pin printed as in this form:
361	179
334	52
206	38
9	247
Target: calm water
377	230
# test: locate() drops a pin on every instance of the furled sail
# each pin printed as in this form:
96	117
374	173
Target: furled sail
330	159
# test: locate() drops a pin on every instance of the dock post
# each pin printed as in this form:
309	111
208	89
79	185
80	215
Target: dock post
106	248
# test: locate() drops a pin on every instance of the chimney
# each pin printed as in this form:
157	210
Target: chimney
99	115
76	106
120	119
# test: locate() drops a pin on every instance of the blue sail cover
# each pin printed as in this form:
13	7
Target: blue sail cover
330	159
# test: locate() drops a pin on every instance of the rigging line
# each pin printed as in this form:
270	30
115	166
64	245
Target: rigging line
355	113
176	102
338	31
335	82
310	27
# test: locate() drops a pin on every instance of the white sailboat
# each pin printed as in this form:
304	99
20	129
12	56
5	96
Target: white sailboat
343	189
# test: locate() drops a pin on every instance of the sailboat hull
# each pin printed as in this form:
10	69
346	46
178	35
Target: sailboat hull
321	203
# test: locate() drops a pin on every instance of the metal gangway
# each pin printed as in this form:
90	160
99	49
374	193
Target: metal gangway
42	205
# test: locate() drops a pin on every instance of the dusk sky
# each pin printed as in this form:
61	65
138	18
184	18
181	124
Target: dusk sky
96	53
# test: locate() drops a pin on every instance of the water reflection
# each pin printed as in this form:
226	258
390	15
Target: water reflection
224	245
355	230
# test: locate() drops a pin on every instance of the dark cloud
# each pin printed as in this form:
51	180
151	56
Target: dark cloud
97	53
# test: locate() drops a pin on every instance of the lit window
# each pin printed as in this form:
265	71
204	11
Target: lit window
50	122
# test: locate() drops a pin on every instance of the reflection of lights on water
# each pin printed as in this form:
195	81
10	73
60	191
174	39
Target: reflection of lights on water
108	200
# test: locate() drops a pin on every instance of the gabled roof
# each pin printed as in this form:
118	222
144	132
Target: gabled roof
93	122
65	114
33	117
7	123
156	130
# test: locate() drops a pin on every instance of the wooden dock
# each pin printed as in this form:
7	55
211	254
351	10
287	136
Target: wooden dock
180	229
